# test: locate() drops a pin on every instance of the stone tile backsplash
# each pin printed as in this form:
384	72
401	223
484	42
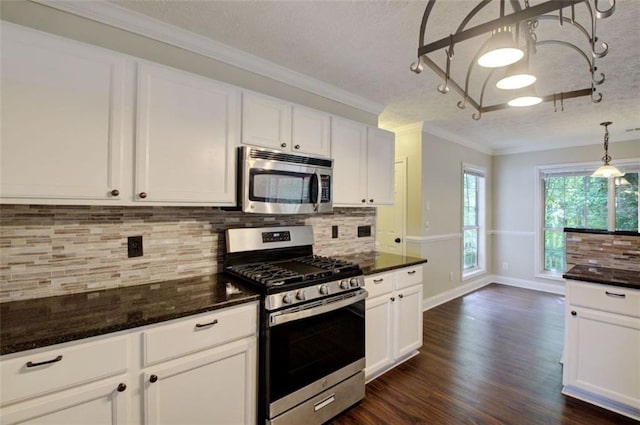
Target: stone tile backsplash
55	250
603	250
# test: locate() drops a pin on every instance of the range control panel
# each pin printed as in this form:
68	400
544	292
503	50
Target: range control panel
281	236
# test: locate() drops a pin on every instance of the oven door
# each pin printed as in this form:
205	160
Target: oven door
312	348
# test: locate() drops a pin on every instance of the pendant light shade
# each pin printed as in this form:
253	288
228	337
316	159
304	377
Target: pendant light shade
517	76
500	50
525	97
607	170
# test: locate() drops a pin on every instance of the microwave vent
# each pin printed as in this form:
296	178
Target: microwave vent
286	157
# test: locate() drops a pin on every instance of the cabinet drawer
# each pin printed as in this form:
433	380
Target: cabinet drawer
614	299
35	374
408	277
379	284
199	332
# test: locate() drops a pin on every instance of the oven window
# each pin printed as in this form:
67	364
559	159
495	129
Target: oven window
279	187
303	351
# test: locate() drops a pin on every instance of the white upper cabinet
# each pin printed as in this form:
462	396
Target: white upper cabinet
275	124
62	118
380	166
363	168
266	121
311	132
187	131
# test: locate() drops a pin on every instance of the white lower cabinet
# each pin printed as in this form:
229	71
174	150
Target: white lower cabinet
393	319
602	346
105	380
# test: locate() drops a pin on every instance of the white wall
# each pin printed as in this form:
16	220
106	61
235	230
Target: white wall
514	182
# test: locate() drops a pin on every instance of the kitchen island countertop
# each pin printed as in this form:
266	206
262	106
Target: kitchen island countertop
604	275
40	322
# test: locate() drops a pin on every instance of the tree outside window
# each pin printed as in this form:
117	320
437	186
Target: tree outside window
472	220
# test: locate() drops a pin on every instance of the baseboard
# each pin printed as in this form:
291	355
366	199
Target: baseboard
529	284
436	300
603	402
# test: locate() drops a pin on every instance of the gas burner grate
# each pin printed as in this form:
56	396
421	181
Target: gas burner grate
266	273
327	263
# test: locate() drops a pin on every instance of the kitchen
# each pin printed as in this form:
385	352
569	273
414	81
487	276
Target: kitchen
183	242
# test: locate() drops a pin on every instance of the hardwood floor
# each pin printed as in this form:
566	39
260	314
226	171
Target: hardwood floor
490	357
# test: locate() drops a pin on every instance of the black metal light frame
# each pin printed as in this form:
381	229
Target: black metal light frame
521	18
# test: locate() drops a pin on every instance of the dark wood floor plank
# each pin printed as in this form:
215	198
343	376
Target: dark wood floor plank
491	357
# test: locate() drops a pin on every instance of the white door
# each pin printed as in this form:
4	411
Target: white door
391	220
215	388
380	166
187	131
266	121
378	337
105	403
349	153
408	320
62	118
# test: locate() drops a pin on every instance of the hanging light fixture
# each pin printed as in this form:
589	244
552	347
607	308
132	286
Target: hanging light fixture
517	76
607	170
500	50
525	96
508	32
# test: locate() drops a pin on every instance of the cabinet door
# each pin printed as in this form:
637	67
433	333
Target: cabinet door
217	387
349	152
310	133
62	118
380	166
105	403
603	355
186	138
378	337
408	320
266	121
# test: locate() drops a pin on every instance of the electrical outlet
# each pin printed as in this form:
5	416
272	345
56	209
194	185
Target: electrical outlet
134	246
364	231
450	276
505	266
334	232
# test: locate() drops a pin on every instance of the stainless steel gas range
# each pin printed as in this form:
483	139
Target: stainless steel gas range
312	326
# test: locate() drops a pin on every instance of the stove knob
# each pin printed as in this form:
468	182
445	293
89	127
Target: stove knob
324	289
301	295
354	282
287	299
344	284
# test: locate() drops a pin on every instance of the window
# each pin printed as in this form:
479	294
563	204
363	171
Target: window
473	183
571	198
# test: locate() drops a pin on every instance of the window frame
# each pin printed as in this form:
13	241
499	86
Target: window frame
481	203
631	165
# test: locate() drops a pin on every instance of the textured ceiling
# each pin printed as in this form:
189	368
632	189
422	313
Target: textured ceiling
366	47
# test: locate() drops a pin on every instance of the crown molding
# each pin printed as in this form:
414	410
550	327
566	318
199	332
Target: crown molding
451	137
408	128
137	23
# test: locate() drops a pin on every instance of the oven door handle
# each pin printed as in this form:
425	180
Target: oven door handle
281	317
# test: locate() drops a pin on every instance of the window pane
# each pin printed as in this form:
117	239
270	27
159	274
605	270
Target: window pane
554	259
596	203
554	205
627	202
470	207
470	248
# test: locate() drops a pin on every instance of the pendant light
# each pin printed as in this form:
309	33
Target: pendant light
525	97
607	170
500	50
517	76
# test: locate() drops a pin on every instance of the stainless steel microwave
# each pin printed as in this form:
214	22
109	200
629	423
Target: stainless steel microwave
272	182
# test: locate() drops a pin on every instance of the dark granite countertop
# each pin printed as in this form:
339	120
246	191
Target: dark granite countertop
604	275
377	262
601	232
40	322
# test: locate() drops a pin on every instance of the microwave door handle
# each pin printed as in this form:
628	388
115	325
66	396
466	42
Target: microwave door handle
315	191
